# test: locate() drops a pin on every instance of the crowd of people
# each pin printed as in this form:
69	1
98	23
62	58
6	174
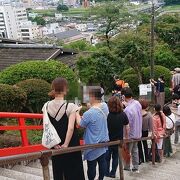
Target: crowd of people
121	117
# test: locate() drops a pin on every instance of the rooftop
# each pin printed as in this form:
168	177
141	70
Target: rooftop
12	53
65	34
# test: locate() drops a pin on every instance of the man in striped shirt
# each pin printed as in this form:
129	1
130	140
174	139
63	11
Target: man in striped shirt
176	78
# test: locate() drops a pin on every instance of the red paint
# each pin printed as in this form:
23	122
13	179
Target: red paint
22	127
21	150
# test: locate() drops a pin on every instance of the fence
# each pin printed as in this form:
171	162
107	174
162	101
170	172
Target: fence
45	155
31	152
21	126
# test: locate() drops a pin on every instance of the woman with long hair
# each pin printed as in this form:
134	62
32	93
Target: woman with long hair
170	120
116	121
159	127
62	116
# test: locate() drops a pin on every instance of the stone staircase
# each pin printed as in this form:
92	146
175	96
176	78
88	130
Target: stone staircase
168	170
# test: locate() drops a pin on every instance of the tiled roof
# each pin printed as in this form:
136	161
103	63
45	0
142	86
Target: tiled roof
15	53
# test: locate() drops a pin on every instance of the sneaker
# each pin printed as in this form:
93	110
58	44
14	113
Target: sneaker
135	170
112	176
127	169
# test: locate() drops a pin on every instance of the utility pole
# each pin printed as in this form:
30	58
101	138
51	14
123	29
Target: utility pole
152	48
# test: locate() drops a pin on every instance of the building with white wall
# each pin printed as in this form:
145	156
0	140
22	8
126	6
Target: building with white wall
30	31
12	20
52	28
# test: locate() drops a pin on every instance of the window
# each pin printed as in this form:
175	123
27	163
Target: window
24	30
25	34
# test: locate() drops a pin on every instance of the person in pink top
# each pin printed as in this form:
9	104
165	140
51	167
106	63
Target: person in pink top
159	127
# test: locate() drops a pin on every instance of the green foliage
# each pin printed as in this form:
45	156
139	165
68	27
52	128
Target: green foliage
127	72
133	82
101	66
168	2
167	94
62	7
80	45
112	15
12	98
168	29
165	57
130	76
158	71
39	20
37	93
46	70
133	50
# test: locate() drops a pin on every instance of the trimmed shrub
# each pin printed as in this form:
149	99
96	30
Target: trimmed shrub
127	72
37	93
133	83
12	98
46	70
158	71
168	95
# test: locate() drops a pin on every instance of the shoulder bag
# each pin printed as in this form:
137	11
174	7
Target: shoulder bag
170	131
50	137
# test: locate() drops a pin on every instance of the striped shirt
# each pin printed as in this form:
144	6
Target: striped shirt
176	79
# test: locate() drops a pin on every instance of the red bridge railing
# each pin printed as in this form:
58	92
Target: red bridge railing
21	126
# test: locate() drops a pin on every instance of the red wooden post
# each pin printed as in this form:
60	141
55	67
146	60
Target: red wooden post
23	132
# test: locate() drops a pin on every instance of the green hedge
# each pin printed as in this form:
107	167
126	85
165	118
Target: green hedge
127	72
130	77
46	70
158	71
12	98
37	93
133	83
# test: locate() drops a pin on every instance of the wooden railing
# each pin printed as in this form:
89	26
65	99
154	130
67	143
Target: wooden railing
45	155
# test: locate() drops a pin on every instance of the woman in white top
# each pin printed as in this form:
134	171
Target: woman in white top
170	120
62	116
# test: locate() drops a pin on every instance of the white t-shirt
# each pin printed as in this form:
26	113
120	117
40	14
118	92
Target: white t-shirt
169	119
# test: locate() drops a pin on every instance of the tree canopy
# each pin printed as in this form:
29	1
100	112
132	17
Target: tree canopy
132	49
111	15
39	20
62	7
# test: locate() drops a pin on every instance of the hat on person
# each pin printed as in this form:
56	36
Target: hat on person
177	69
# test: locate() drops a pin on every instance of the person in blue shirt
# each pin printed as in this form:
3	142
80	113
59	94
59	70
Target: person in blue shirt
95	123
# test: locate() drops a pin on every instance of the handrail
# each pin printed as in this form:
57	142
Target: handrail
20	115
44	155
23	157
23	128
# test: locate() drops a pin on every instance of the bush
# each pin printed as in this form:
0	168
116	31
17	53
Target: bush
167	95
133	83
46	70
127	72
12	98
158	71
37	93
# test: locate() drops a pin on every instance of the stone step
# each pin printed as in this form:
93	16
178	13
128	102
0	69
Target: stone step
5	178
27	169
18	175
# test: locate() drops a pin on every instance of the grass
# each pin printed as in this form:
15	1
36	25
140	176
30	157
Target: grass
171	8
51	12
